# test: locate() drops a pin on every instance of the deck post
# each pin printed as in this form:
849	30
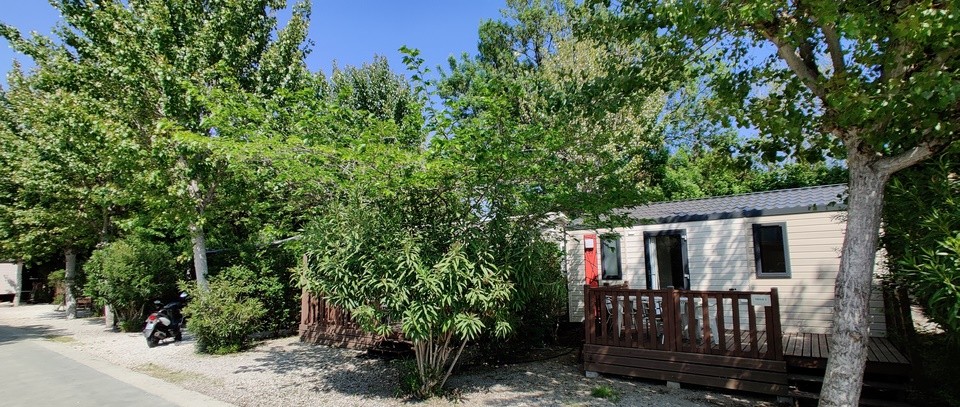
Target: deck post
691	323
737	333
776	340
721	328
671	316
752	328
707	344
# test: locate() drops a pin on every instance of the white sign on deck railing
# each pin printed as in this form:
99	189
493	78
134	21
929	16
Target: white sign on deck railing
760	300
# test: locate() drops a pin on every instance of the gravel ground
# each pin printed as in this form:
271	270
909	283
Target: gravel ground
284	372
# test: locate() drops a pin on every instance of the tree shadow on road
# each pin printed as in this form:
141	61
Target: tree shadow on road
13	334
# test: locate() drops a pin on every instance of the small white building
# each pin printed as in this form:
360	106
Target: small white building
8	280
789	239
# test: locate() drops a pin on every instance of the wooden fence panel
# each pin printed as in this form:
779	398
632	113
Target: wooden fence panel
321	323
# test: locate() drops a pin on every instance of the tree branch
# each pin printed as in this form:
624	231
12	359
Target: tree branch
833	47
922	151
900	67
803	69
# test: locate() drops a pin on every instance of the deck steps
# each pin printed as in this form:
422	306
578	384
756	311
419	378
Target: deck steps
803	395
873	384
883	403
807	395
878	391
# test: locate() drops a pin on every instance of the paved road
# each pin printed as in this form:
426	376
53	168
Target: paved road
37	372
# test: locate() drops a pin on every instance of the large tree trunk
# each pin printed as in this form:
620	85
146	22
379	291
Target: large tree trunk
70	257
17	300
199	255
851	325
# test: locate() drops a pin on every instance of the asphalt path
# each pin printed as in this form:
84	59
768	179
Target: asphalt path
35	371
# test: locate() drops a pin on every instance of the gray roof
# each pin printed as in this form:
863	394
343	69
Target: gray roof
779	202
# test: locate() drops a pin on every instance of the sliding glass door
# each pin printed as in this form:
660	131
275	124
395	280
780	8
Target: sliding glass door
666	257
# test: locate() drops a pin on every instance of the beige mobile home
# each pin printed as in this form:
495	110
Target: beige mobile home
733	292
786	239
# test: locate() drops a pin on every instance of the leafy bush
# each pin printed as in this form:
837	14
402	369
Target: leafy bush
541	288
934	277
922	216
127	274
266	275
423	262
438	282
222	318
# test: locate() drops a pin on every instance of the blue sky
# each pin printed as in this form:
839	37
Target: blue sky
350	32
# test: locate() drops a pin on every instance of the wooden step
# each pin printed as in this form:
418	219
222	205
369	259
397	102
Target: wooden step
873	384
799	394
883	403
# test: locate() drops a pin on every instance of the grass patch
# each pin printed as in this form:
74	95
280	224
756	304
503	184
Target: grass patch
60	338
605	392
168	375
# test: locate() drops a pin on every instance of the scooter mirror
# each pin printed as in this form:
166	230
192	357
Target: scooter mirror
156	302
183	295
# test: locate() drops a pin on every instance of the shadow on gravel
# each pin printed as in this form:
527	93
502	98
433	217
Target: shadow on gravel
557	381
560	381
83	316
327	370
11	334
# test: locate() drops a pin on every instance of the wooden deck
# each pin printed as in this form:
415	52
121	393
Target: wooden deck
812	351
711	338
812	346
708	338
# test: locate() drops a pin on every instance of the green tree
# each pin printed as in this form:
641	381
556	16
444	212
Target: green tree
525	109
382	95
874	84
127	274
723	165
64	162
163	64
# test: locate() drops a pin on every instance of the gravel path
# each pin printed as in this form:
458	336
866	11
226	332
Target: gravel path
284	372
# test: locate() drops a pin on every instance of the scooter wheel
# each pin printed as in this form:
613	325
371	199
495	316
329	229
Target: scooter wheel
178	337
152	342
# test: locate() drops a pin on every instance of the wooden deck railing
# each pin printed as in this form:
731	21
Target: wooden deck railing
706	322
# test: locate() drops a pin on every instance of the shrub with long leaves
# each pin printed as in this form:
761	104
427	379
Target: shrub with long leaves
934	277
439	285
922	216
